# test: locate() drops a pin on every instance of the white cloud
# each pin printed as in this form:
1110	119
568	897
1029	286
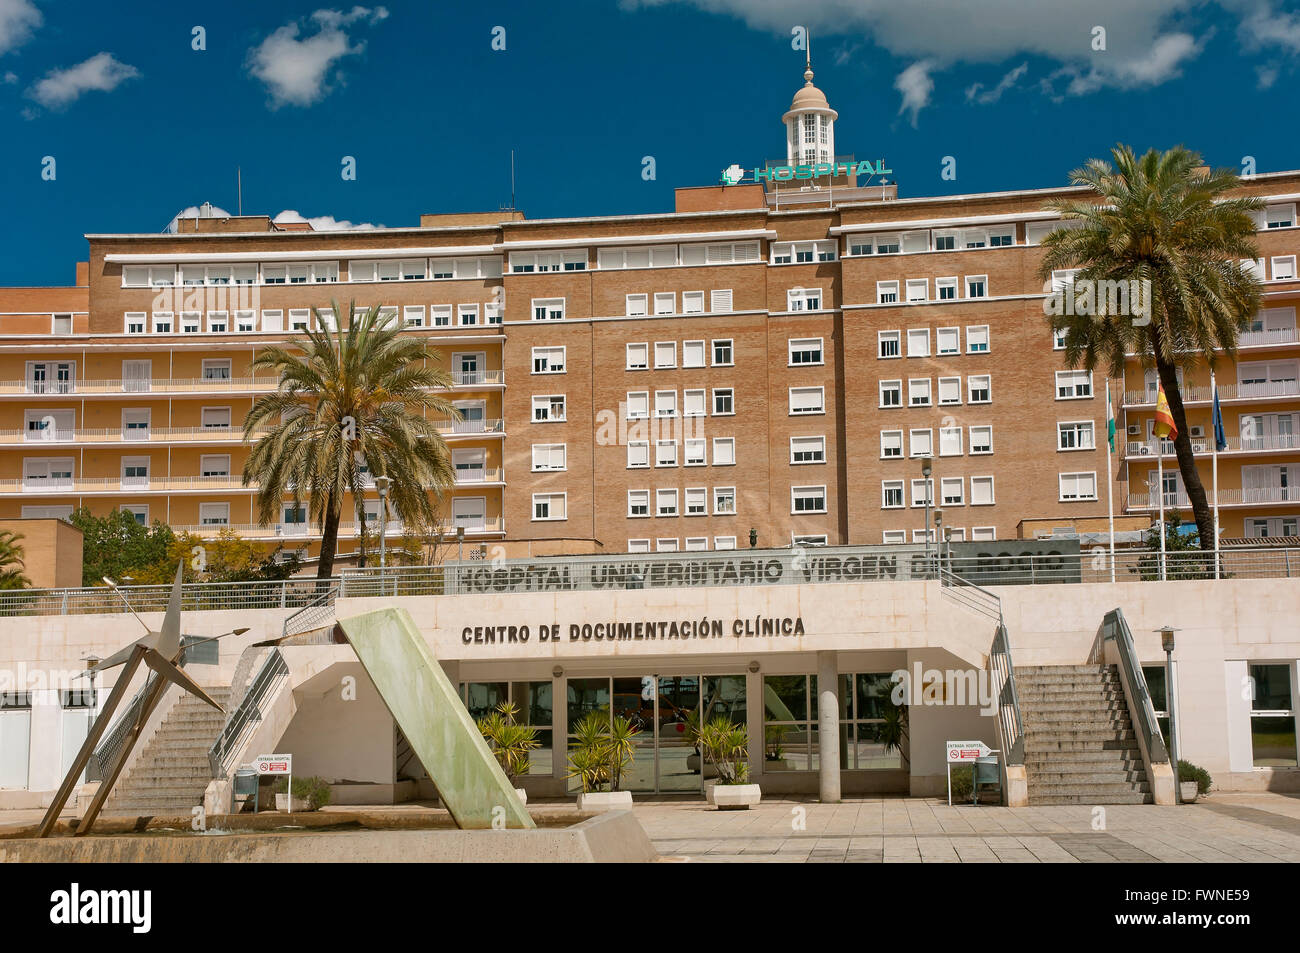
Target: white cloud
975	93
916	85
1147	43
1267	76
298	70
18	20
321	223
10	78
1263	26
62	87
215	211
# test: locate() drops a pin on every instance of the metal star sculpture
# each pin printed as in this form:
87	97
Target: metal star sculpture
161	651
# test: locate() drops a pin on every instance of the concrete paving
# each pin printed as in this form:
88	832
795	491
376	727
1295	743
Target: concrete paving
1224	828
1228	828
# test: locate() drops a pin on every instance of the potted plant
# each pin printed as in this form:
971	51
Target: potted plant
602	750
1193	781
691	735
725	745
309	794
510	742
774	748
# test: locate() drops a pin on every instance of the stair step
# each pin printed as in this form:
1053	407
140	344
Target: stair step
1054	776
1104	756
1049	800
1094	789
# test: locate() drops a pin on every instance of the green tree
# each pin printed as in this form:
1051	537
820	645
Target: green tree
11	561
1162	219
117	545
363	395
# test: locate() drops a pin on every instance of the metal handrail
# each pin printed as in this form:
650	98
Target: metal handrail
1115	629
1010	725
248	712
312	615
111	745
972	596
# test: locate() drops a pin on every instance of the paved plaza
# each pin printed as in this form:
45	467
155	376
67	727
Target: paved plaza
1226	828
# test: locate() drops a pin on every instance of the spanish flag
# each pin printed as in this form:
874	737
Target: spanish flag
1164	425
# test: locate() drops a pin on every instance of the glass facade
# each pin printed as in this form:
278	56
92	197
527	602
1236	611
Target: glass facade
533	706
867	723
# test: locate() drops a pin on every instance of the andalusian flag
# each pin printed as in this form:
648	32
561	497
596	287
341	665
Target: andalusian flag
1110	420
1165	427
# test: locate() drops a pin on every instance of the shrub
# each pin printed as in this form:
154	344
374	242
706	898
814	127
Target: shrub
963	782
316	791
1192	772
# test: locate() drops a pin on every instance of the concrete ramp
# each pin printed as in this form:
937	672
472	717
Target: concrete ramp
426	706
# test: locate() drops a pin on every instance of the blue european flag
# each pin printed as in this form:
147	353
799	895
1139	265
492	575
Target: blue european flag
1220	441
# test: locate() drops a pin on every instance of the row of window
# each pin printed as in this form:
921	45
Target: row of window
694	500
695	452
917	290
979	390
303	273
301	319
665	303
693	354
956	534
952	490
1070	435
889	344
694	544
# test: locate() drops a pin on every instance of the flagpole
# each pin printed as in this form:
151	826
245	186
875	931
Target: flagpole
1160	492
1110	482
1214	466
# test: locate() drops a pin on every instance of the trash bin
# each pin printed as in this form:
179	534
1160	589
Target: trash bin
246	784
986	771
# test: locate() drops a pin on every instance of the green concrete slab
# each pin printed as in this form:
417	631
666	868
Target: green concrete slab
428	709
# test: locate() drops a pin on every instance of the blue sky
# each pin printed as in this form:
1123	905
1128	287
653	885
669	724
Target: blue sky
141	125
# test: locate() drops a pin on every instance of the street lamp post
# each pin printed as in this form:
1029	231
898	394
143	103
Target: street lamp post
382	483
1167	643
926	470
460	544
938	537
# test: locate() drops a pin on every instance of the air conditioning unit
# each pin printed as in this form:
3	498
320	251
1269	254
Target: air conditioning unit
1134	430
1198	431
1199	447
1145	451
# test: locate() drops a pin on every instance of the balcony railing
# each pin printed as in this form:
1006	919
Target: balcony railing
473	475
1202	394
1227	497
109	484
309	531
1263	338
459	428
1205	445
128	435
162	385
478	378
735	569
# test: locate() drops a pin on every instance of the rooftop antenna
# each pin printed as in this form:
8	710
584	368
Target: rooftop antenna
512	180
239	189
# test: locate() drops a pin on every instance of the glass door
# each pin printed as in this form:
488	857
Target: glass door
635	700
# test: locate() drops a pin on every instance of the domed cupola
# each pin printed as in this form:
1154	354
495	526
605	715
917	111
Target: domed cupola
809	125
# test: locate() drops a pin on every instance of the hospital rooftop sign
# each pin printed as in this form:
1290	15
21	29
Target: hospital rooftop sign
781	173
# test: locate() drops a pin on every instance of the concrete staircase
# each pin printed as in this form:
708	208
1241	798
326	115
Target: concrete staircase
171	772
1080	747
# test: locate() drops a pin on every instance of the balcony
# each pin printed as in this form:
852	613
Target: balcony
160	386
490	526
106	485
1279	443
471	428
1227	392
479	476
1228	497
478	379
1279	336
157	435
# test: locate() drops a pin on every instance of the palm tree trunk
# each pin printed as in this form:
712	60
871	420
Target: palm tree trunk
329	543
1186	459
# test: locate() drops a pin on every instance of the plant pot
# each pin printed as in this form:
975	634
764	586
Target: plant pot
1189	790
735	797
299	803
708	791
605	801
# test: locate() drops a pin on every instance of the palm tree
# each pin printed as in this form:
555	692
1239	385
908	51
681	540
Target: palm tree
1163	219
360	395
11	561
